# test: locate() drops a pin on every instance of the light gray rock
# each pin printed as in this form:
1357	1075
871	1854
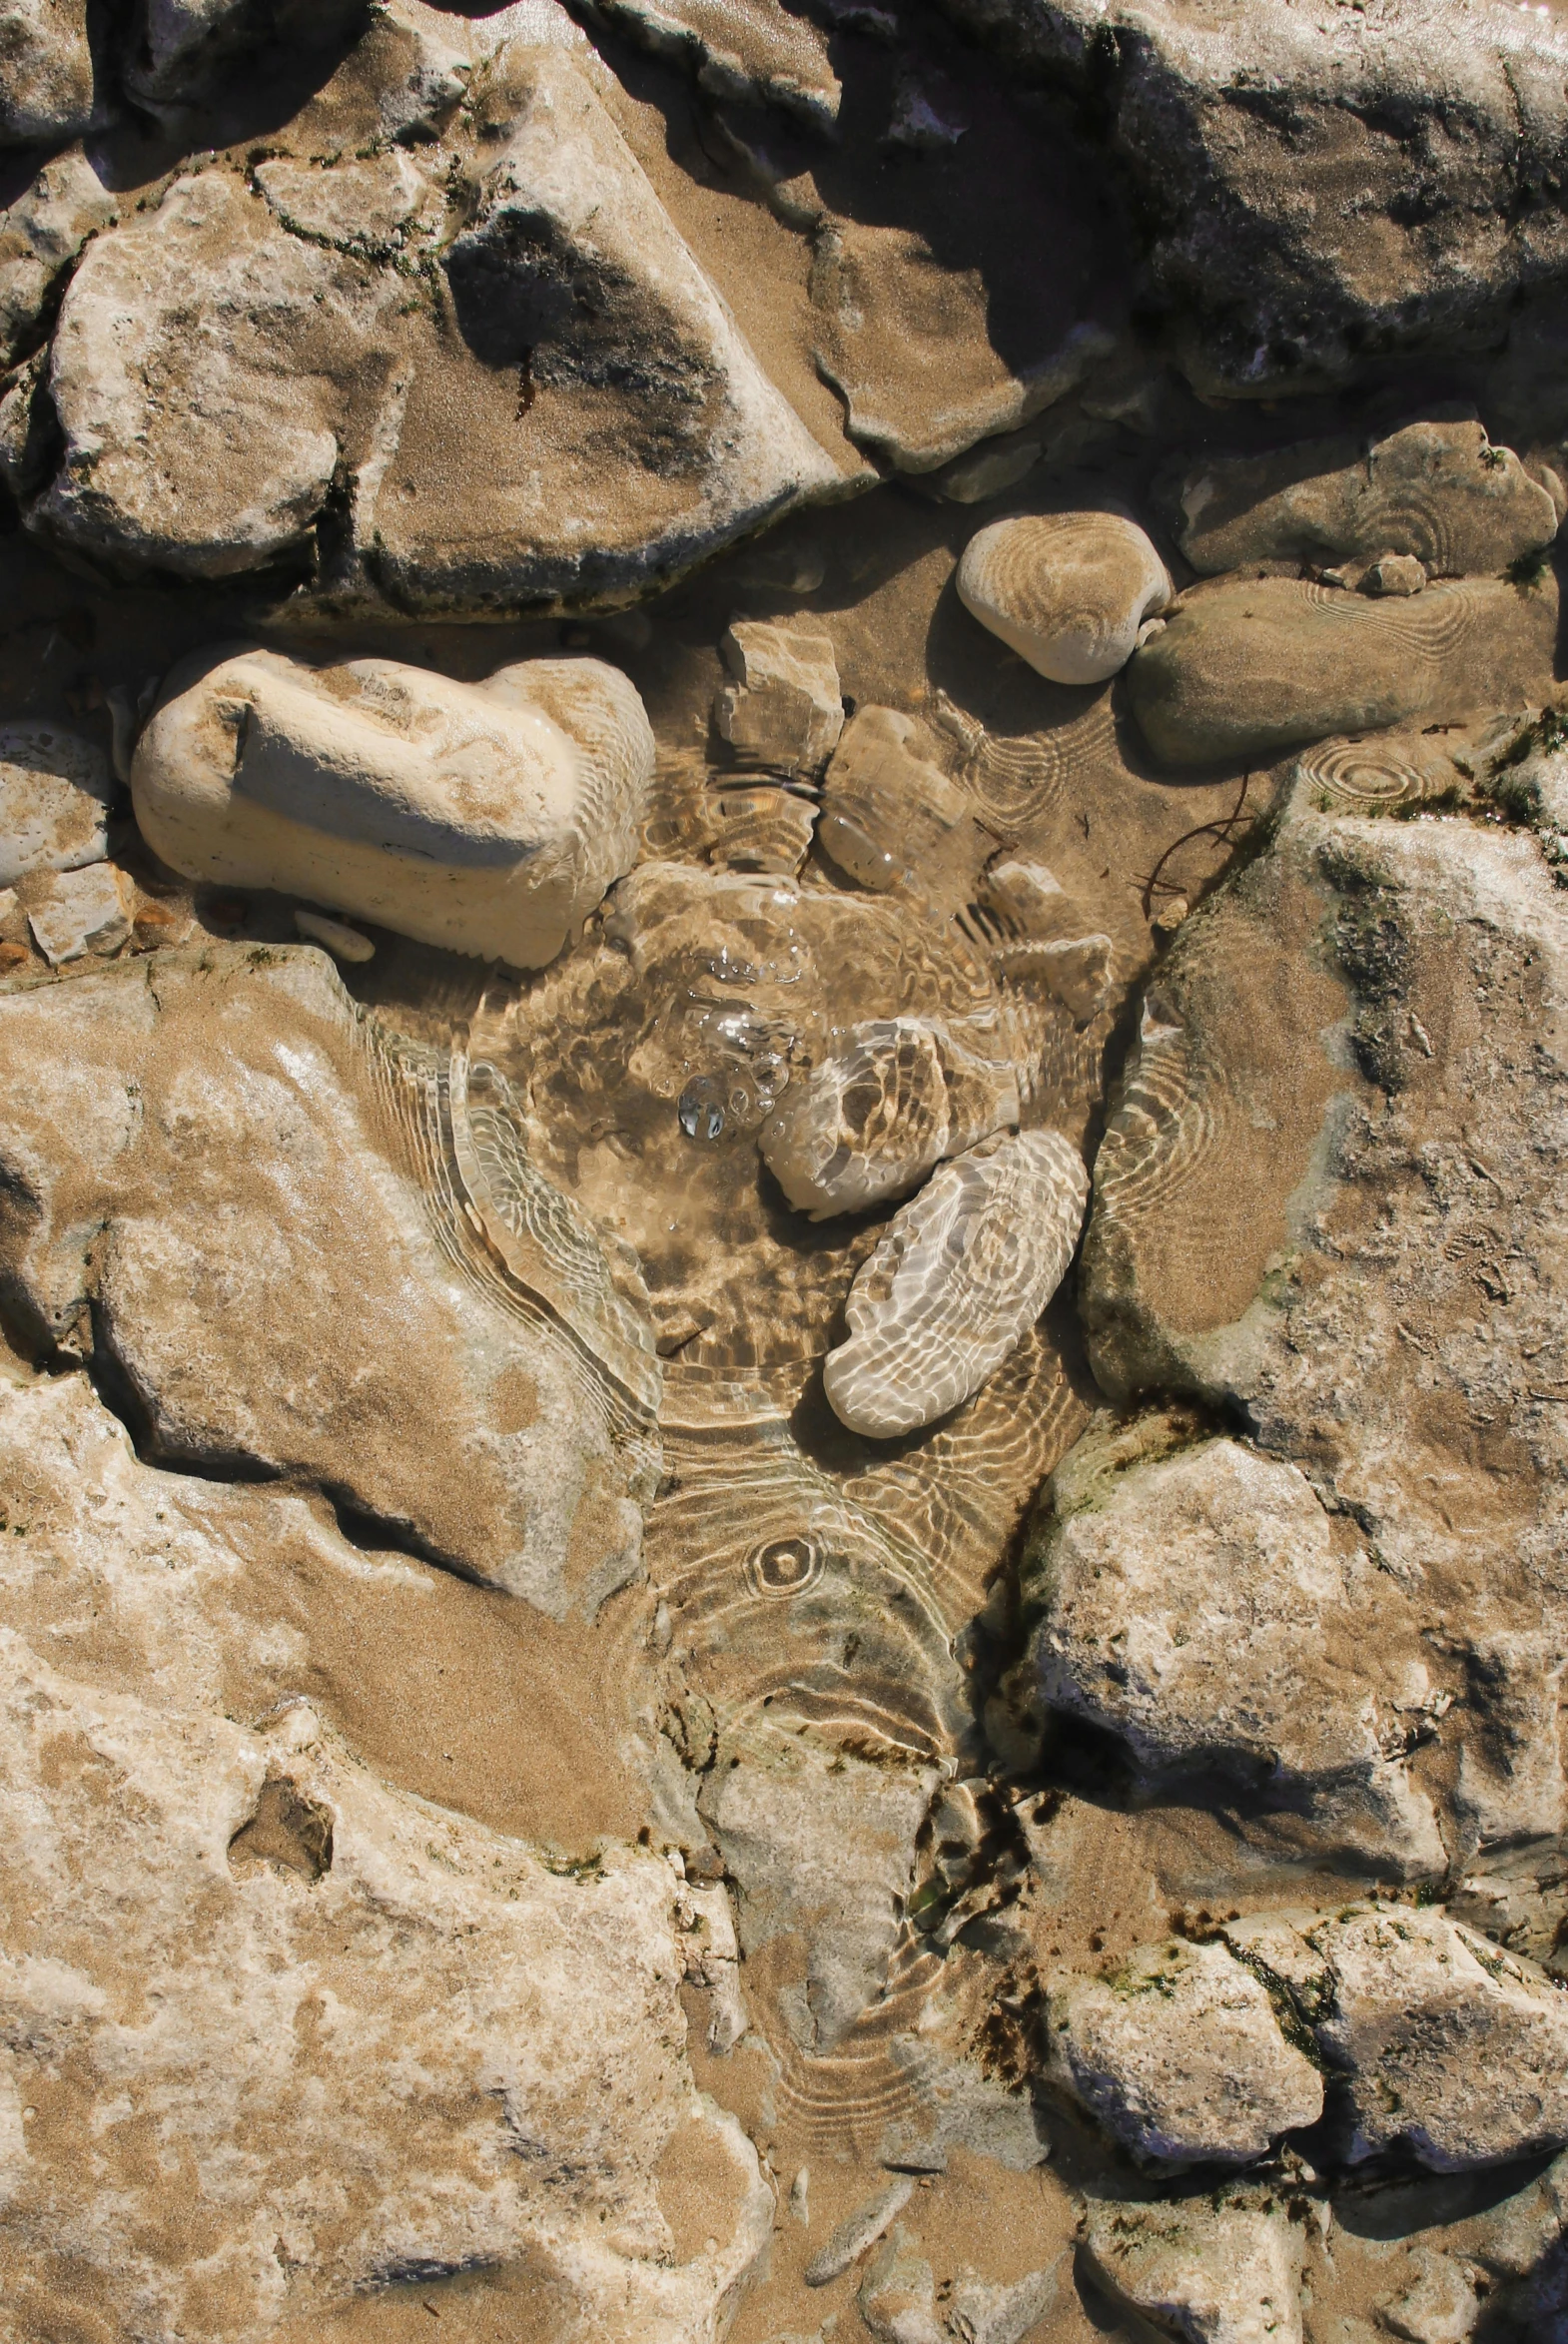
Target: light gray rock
1179	2054
1245	668
1343	1115
1452	2048
1342	217
981	2312
1202	1607
47	76
1439	494
1209	2273
784	711
211	455
487	818
55	791
898	2296
383	2038
40	236
78	910
322	360
218	1187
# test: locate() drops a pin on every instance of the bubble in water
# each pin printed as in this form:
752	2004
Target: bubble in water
701	1110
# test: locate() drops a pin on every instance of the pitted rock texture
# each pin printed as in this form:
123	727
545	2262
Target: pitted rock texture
372	2034
1178	2052
1384	1001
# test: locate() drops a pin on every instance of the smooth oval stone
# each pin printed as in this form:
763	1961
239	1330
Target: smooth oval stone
870	1121
1251	667
486	818
1068	592
960	1276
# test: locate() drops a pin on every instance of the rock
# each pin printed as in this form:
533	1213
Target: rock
55	789
898	2296
487	818
1068	592
908	338
1247	667
217	460
820	1844
858	2231
1179	2054
889	810
40	236
979	2312
226	1935
869	1122
1386	1002
1439	494
1225	2273
563	296
46	72
75	911
219	1181
1388	773
1395	573
344	944
573	280
181	45
1442	2307
748	50
1202	1607
959	1275
783	712
377	205
1452	2049
1296	240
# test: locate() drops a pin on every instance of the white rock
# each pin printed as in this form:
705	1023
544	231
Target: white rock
344	944
1213	2274
1068	592
73	912
55	789
1178	2052
46	71
41	234
487	818
1201	1607
379	2036
898	2296
957	1277
784	711
868	1122
1453	2049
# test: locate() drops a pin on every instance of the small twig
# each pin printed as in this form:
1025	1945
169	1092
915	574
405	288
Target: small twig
1221	831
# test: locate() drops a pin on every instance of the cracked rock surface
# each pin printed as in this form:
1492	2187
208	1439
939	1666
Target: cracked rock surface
783	1000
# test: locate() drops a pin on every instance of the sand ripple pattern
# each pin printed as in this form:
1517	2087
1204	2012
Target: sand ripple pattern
1376	775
